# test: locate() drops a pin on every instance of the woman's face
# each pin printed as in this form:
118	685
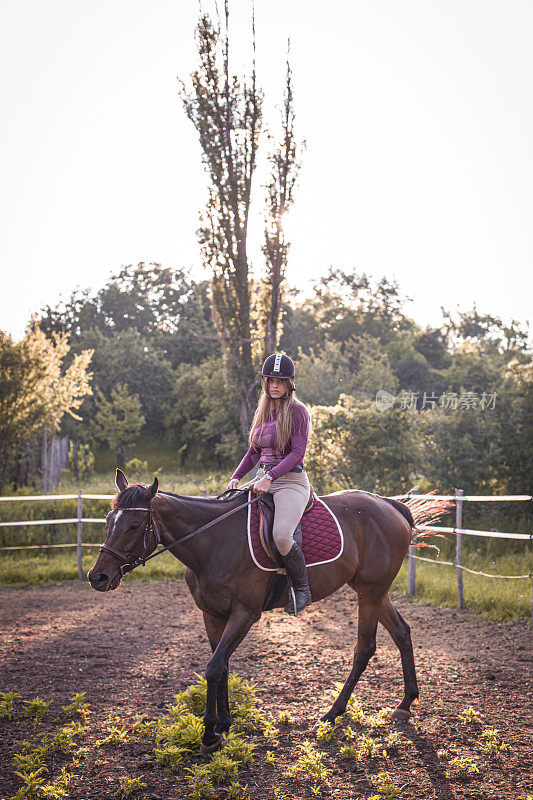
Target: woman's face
276	388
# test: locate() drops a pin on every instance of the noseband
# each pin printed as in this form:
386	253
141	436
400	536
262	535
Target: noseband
150	529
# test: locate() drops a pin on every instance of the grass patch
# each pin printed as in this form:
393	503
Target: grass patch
499	600
47	567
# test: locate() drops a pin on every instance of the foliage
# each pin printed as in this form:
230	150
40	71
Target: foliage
310	764
81	460
77	706
367	747
461	767
8	704
129	786
355	445
205	416
37	389
447	465
118	420
115	736
285	718
468	716
127	357
387	790
36	708
158	302
325	732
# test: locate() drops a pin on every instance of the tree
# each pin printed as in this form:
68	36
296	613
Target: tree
459	448
487	332
37	389
280	195
157	302
128	357
118	420
203	420
355	445
513	412
227	114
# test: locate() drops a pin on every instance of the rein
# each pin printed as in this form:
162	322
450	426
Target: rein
151	528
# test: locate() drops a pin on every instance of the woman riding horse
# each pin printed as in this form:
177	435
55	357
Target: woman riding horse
278	438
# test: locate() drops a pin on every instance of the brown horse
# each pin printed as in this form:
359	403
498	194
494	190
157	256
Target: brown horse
230	589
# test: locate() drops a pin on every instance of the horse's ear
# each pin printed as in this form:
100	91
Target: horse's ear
120	480
153	489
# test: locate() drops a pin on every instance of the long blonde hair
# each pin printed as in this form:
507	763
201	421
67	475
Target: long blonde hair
265	412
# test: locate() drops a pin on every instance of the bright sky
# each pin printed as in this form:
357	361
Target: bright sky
417	115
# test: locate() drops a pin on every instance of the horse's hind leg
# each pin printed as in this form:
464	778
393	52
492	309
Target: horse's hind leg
399	630
364	650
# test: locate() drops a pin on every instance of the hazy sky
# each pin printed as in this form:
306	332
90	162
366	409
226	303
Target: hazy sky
417	116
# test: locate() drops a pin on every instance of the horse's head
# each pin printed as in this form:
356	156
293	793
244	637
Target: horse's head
131	533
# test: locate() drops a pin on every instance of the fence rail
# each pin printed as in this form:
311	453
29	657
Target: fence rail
458	530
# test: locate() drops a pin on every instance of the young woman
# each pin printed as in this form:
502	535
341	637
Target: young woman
278	438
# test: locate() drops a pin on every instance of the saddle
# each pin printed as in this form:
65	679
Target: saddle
266	521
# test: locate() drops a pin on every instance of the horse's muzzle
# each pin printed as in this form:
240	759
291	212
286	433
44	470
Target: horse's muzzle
101	581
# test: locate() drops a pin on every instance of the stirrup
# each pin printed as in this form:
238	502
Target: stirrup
291	607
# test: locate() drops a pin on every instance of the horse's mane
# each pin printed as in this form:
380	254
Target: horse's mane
197	499
131	496
136	494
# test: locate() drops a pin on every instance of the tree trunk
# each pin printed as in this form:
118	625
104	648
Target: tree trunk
75	464
44	461
64	443
54	471
23	469
120	454
248	402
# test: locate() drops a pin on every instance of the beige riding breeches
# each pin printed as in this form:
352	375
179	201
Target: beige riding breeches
291	493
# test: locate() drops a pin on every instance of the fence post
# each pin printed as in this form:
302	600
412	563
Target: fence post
411	566
459	546
79	548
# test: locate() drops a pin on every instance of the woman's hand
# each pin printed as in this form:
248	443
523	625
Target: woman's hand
262	485
233	483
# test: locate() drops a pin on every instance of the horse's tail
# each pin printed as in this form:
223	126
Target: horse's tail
422	511
403	508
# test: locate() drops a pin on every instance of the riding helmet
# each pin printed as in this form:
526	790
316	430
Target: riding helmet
278	365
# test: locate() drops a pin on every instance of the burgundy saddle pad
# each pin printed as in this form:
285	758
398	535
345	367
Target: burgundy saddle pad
321	536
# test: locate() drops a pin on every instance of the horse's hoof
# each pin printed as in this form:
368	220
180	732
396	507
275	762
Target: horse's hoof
400	715
207	749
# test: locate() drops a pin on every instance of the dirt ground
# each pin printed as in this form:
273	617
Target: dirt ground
133	649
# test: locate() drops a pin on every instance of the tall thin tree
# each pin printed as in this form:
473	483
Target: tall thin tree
284	167
227	115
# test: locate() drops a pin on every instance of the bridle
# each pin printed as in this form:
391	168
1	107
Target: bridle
151	529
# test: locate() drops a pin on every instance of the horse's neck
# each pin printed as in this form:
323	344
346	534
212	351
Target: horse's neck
181	517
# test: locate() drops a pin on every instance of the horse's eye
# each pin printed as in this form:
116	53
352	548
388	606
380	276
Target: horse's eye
132	527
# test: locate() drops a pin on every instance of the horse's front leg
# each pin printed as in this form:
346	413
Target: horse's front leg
236	628
214	627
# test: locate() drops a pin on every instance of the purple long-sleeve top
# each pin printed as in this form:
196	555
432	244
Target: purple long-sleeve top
266	449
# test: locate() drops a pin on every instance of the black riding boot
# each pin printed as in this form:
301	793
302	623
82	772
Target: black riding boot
294	563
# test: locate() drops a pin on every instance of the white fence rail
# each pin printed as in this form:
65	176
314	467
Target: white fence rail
458	530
